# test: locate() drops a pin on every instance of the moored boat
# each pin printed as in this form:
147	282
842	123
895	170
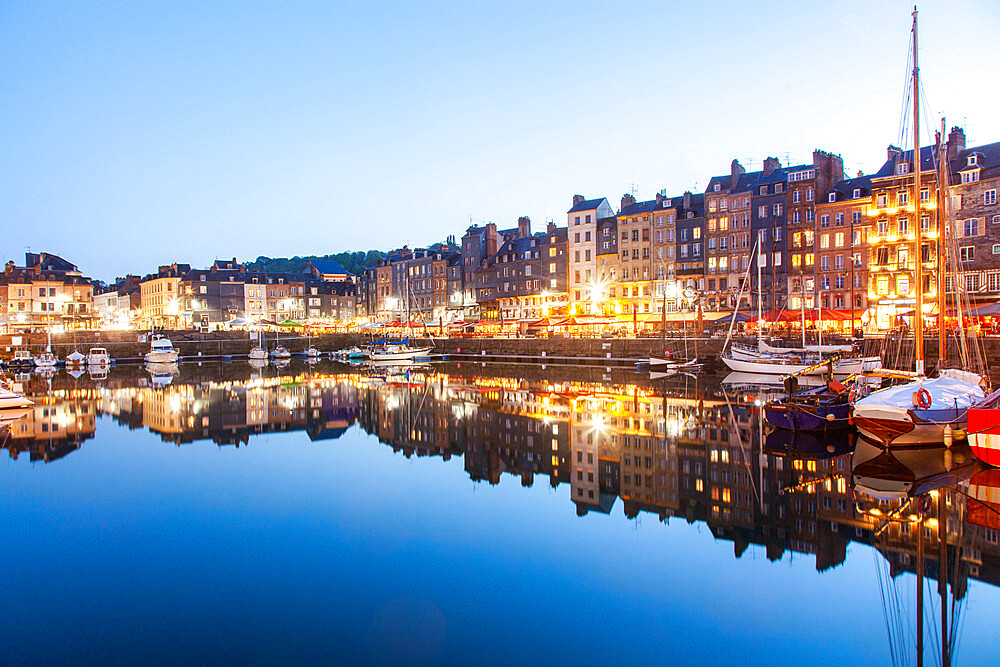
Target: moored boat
161	351
983	424
98	356
822	408
924	411
11	400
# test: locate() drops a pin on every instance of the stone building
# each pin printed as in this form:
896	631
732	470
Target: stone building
842	245
581	223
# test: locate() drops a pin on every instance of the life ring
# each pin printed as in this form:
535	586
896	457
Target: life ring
922	398
850	396
925	504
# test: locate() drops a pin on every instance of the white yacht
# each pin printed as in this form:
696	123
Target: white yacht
280	352
74	358
161	351
98	356
46	359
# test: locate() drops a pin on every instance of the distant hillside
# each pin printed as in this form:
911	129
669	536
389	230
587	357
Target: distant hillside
355	262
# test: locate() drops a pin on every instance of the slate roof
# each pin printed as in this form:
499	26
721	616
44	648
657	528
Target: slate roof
587	205
988	158
888	168
328	267
638	208
844	190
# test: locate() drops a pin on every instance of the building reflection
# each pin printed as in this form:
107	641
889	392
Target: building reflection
675	449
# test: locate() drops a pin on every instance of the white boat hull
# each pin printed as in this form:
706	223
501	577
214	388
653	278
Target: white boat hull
165	357
890	417
399	355
11	401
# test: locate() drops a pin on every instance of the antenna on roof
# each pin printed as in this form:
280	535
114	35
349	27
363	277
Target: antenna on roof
633	188
788	159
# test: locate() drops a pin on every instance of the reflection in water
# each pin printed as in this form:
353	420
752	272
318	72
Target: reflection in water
673	449
685	447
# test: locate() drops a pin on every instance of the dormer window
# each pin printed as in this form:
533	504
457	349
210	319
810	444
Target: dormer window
857	193
832	197
763	189
903	168
973	160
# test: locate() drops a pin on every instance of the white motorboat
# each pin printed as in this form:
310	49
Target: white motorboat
10	400
98	356
75	358
161	351
280	352
922	411
312	353
11	415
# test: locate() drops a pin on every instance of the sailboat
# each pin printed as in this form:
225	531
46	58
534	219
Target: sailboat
47	359
923	410
258	353
760	361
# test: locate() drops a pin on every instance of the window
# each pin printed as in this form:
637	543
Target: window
883	227
882	285
824	241
777	209
971	227
838	239
824	263
903	225
832	197
972	282
881	200
810	215
967	253
810	194
777	259
902	197
762	211
810	259
902	284
763	190
824	220
856	193
970	176
993	282
839	282
839	219
796	196
996	248
990	197
903	168
777	234
779	187
796	217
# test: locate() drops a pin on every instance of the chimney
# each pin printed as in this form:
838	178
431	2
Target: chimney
687	199
735	170
659	199
491	239
577	199
770	164
550	228
893	153
860	173
956	142
523	226
627	200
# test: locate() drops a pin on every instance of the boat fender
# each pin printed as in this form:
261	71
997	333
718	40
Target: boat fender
984	384
851	395
830	417
922	399
959	434
948	434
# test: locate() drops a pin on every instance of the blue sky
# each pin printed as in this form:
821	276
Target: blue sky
139	135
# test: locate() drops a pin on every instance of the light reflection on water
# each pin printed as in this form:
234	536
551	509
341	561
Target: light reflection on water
297	537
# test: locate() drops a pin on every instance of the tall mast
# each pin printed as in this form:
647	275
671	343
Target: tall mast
919	310
944	168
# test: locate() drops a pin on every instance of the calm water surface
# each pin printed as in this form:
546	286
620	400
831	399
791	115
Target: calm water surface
453	515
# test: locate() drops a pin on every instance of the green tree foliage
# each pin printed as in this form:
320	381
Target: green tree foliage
355	262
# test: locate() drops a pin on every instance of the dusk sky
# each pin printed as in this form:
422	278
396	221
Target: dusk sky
137	135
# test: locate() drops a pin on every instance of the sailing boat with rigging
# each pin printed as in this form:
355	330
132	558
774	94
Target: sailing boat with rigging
743	359
923	410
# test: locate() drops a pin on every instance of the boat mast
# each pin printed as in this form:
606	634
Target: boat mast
918	331
942	217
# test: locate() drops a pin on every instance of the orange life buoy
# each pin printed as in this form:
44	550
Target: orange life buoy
925	503
922	397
